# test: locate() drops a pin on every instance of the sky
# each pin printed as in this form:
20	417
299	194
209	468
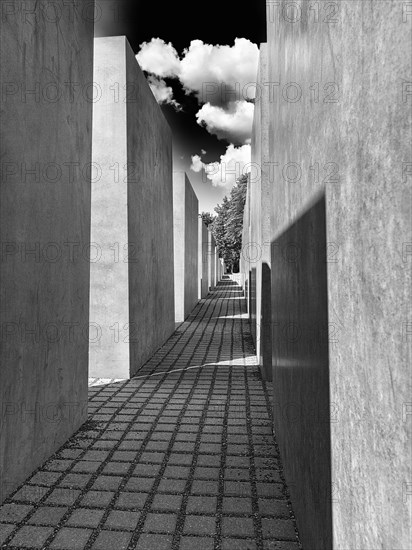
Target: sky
201	62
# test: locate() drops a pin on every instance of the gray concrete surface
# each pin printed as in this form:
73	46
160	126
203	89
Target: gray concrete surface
45	151
203	260
186	245
260	213
246	253
211	251
132	296
301	371
340	126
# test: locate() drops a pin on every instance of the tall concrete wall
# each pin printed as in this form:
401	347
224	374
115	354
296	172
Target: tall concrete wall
260	218
219	268
340	119
203	260
186	243
132	299
211	261
215	264
246	253
45	151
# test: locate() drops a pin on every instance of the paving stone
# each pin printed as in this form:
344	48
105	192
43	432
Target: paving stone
71	539
107	483
130	445
152	458
82	517
196	543
133	501
107	540
180	459
201	487
97	499
237	527
120	519
238	544
200	525
152	542
273	490
279	545
149	470
14	513
75	481
86	466
278	528
45	478
210	448
5	531
267	476
167	503
273	507
30	494
234	505
206	473
139	484
48	515
172	486
58	465
208	460
157	446
202	505
238	488
116	468
124	456
95	456
160	523
30	536
237	474
176	472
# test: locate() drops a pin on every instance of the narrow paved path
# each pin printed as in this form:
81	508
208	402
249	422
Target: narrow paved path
180	457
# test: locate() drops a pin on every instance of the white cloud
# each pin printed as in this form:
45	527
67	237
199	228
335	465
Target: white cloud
159	58
233	123
213	71
222	78
233	163
162	92
197	164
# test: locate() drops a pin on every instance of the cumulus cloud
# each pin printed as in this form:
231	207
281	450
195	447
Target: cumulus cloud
233	123
159	58
219	74
221	77
197	164
233	163
162	92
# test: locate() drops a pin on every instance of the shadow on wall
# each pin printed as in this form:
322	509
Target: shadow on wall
300	360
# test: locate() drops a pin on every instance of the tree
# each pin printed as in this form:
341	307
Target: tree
228	224
219	229
207	218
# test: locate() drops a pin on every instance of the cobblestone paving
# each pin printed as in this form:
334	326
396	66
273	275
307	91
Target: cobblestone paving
180	457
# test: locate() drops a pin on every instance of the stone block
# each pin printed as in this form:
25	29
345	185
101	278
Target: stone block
132	296
46	72
186	245
211	251
203	260
260	218
339	128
